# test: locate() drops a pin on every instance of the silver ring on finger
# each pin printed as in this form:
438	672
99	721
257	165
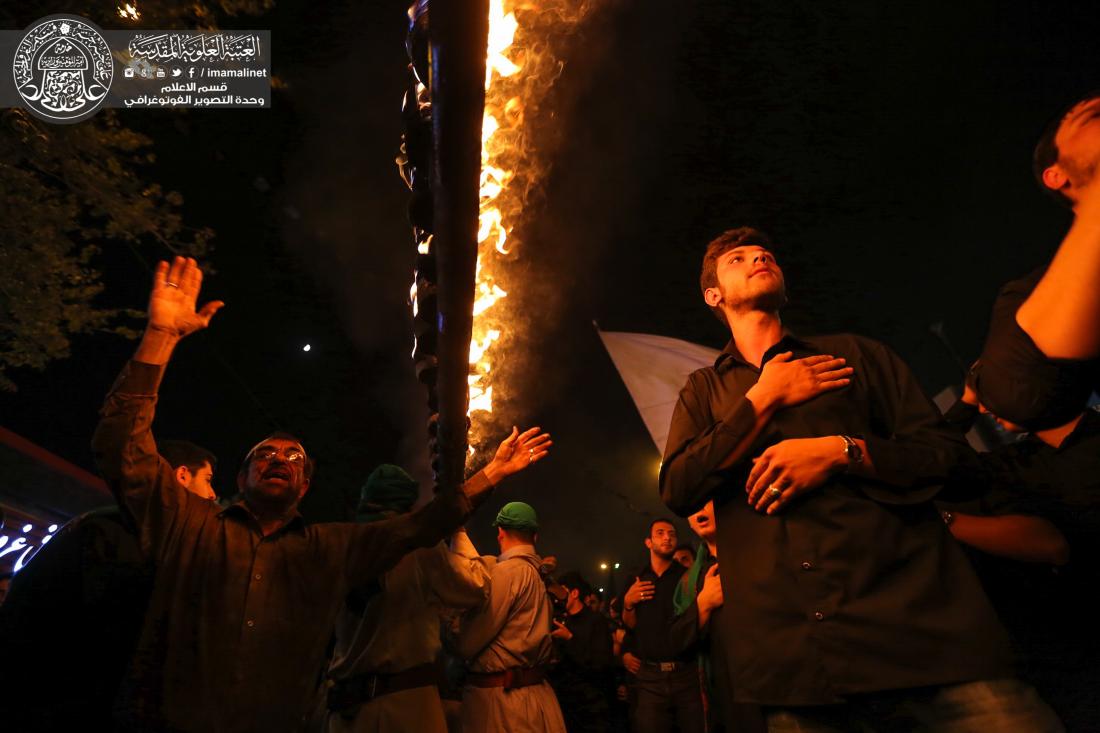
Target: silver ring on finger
774	492
171	285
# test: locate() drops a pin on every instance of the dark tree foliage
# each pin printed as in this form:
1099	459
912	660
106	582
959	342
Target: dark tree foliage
67	192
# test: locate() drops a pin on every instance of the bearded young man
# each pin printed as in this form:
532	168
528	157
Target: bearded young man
849	602
244	598
668	692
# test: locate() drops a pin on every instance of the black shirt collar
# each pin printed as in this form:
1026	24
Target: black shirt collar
731	356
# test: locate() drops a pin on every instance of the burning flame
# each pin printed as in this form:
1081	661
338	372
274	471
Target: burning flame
520	69
129	12
493	231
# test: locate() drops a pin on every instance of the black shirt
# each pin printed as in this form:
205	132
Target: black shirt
1016	381
857	586
657	635
1048	610
590	646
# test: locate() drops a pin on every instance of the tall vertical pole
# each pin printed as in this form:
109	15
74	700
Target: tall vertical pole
459	32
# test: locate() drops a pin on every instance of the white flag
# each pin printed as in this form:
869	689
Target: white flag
655	369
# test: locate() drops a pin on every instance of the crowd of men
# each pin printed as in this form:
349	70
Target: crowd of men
859	566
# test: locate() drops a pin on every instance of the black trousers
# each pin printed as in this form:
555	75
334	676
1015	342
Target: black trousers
667	701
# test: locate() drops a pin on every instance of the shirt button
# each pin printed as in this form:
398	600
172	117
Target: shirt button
250	623
807	565
818	615
257	576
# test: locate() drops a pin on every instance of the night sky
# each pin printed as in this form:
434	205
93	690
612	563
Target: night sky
885	146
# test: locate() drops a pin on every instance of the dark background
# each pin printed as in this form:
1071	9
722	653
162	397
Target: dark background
885	146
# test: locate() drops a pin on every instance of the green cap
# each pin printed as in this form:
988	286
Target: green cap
517	515
388	488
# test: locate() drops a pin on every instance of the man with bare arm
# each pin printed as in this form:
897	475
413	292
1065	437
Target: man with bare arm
1041	358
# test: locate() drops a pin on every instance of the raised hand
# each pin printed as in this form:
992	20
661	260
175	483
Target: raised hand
640	591
785	382
175	294
520	450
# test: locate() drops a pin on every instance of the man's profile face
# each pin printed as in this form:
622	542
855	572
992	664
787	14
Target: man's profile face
198	482
749	279
662	540
702	522
275	473
1078	143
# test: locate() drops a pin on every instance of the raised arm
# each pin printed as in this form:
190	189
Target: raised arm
482	625
1062	314
376	547
123	444
456	580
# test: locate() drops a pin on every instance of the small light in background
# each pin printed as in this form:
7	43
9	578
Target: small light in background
603	566
601	590
307	347
616	566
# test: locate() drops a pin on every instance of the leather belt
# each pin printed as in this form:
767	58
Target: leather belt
509	679
363	688
668	666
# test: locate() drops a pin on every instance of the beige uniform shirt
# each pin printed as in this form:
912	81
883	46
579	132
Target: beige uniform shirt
399	628
513	628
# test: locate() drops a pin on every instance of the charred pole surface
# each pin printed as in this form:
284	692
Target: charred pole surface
445	105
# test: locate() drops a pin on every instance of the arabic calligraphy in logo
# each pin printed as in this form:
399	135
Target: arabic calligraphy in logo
63	69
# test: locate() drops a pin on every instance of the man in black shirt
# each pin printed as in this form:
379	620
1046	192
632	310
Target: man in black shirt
582	676
850	603
1038	533
667	684
1044	336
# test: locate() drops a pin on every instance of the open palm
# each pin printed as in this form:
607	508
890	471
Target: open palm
175	294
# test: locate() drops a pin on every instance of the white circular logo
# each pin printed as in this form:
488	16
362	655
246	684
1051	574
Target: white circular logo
63	68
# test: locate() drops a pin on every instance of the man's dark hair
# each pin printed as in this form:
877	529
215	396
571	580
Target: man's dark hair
685	546
724	242
1046	149
185	453
655	522
283	435
575	581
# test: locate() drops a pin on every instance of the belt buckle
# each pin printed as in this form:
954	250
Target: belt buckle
667	666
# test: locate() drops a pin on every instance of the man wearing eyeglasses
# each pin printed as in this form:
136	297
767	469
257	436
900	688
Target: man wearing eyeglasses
245	597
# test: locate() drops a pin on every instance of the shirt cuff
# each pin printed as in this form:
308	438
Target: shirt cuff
139	378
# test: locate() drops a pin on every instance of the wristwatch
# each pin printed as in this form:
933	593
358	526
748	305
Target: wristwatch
852	452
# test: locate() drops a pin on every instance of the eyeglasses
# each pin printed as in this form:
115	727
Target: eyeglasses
290	453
